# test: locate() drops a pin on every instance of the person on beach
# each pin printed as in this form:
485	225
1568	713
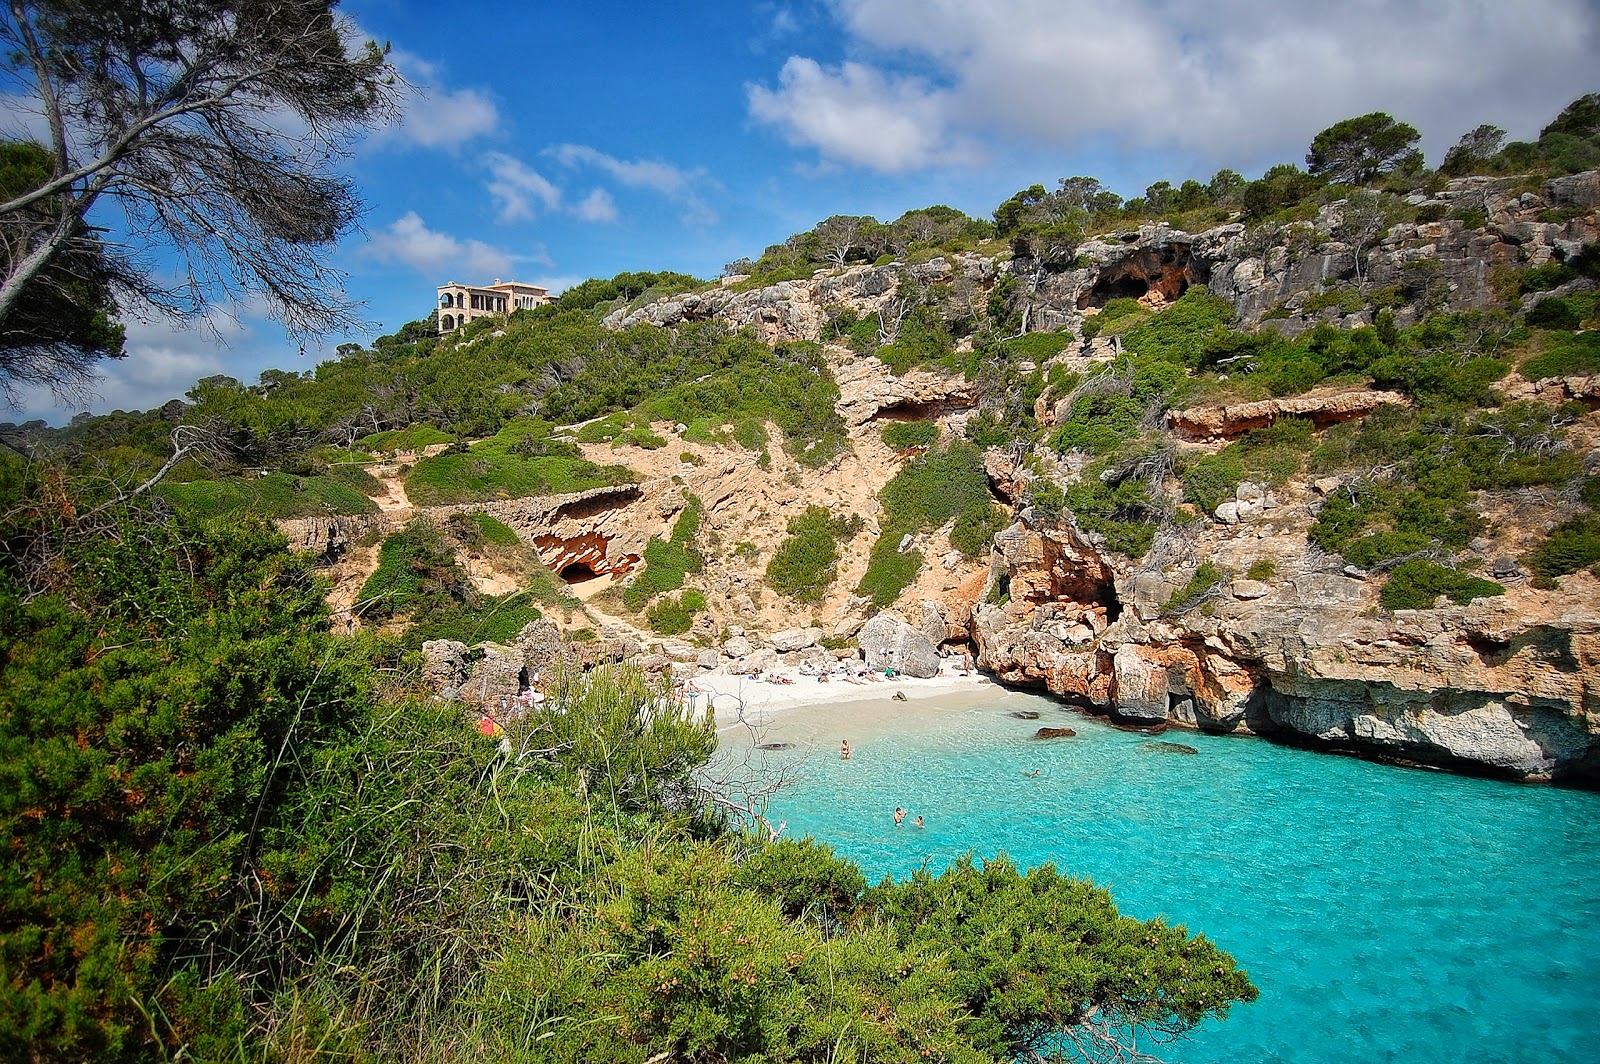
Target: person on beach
918	822
844	749
899	816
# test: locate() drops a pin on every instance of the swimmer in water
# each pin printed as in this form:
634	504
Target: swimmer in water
899	815
844	749
918	822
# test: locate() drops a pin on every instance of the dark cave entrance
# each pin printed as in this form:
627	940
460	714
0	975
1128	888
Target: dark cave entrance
578	572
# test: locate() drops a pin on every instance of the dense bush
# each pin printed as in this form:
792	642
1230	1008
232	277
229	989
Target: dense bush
904	435
1417	585
1571	546
668	561
274	495
805	564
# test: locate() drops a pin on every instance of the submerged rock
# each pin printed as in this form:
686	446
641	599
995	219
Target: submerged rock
1161	746
1054	733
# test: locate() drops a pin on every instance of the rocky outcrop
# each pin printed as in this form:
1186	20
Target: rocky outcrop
867	390
1322	408
888	641
1503	685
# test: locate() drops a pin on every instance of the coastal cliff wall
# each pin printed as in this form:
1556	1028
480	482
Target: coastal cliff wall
1301	649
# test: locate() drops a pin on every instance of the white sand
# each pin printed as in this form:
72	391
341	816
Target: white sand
744	700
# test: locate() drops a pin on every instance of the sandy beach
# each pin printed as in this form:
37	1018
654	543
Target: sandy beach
742	701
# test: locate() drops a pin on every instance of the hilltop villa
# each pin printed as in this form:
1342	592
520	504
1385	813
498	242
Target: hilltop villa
461	303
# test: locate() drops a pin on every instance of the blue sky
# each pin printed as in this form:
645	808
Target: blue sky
553	142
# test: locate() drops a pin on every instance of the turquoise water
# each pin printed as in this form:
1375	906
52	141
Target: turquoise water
1385	913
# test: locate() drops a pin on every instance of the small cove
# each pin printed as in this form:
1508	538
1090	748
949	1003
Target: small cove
1385	913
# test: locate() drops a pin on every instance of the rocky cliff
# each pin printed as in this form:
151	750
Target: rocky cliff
1506	685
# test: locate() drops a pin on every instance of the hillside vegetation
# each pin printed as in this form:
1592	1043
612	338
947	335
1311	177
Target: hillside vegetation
234	834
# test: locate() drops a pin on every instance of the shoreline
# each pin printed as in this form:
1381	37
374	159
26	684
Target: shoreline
742	701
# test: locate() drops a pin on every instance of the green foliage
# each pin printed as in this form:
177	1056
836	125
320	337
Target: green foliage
1356	150
1571	546
668	561
889	571
805	563
1212	480
1562	356
674	615
411	438
1559	312
904	435
1543	278
625	287
1118	510
937	487
1178	332
518	461
1418	583
149	723
274	495
1262	569
1022	983
416	573
1207	578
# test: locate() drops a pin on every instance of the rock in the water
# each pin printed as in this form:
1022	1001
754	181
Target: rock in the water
1163	747
1054	733
1026	714
887	641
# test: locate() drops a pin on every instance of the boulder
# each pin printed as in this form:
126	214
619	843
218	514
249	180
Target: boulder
1054	733
709	659
1250	589
1140	686
738	647
887	641
792	639
445	666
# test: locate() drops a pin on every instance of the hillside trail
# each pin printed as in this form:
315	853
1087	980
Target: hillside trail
393	499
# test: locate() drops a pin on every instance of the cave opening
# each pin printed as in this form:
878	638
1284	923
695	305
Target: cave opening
578	572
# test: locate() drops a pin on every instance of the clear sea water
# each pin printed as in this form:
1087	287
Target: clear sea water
1386	914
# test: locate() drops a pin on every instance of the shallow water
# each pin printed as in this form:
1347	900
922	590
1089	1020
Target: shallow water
1385	913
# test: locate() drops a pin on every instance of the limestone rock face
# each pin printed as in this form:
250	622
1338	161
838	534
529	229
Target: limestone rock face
889	641
792	639
1322	408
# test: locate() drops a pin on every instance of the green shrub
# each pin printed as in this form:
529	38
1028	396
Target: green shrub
1556	313
674	615
1573	355
975	528
1206	579
668	561
1212	480
1177	333
1262	569
889	572
274	495
1571	546
1418	583
804	565
904	435
414	438
1543	278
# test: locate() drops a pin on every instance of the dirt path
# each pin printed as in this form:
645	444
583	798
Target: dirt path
393	500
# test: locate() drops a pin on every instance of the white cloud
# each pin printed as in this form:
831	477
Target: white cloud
436	117
597	206
163	359
408	240
856	114
1221	81
674	183
516	185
